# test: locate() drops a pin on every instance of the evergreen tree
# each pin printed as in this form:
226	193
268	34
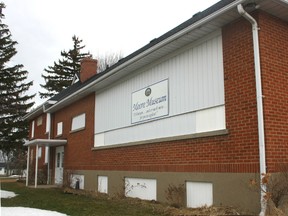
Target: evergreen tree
62	73
14	103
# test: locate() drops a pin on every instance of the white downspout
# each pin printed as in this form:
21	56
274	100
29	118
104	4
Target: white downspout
47	148
36	166
28	163
261	133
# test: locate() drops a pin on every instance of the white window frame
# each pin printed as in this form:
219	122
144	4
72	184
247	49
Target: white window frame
59	128
78	122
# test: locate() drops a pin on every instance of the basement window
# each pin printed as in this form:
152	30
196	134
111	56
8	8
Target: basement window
78	122
103	184
199	194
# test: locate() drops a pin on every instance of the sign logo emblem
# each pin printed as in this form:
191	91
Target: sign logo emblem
148	92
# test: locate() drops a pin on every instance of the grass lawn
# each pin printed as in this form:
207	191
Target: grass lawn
55	199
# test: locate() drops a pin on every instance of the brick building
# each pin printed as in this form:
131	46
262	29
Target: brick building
203	105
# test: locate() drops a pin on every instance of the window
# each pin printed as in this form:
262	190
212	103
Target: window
59	128
199	194
48	122
32	129
46	154
78	122
39	121
39	152
141	188
77	181
103	184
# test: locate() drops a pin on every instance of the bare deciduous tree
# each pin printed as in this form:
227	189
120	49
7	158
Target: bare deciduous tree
107	60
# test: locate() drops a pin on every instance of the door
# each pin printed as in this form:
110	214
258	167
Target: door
59	159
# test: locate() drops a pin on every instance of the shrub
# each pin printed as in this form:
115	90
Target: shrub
175	195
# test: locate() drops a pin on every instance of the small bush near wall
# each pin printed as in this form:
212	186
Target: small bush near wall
175	195
276	193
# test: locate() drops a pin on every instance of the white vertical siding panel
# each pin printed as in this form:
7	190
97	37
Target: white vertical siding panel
195	82
194	73
209	71
220	76
199	71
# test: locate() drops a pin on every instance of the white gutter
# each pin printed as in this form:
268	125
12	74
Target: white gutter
261	133
150	50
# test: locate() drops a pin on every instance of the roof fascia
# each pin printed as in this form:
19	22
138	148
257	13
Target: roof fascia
34	113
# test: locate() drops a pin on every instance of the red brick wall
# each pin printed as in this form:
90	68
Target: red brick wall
39	133
78	149
274	64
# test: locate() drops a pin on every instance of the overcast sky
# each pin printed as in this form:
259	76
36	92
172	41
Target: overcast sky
43	28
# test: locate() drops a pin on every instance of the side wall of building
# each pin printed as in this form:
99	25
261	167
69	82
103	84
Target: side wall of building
228	161
236	151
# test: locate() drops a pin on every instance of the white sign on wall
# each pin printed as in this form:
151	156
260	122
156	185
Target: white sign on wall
150	102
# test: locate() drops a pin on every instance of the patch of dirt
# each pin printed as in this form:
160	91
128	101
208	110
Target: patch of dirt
204	211
7	179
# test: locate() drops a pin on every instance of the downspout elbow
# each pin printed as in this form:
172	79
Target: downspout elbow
247	16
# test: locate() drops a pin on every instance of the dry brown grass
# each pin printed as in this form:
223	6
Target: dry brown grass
6	179
161	208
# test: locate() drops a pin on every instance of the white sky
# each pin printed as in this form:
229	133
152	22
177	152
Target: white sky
43	28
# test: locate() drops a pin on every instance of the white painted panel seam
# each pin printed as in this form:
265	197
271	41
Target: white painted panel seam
203	121
99	140
210	119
